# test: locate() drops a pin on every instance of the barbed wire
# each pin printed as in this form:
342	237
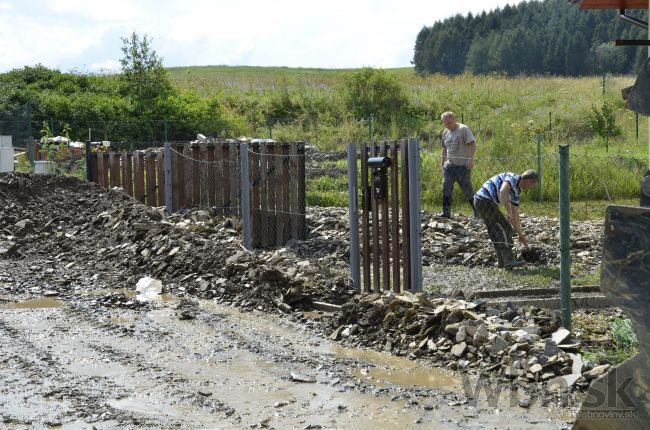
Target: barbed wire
201	161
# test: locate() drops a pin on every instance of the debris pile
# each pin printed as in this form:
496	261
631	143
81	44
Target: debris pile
527	344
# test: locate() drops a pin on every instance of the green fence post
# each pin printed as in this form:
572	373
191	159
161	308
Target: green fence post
637	127
565	242
539	167
269	124
550	126
370	128
462	118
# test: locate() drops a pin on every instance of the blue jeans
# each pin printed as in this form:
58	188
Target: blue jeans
463	176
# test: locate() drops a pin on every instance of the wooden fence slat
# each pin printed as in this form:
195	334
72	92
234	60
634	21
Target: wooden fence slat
235	177
114	167
160	177
129	174
150	179
125	179
302	203
406	247
196	176
212	173
365	218
138	177
271	179
286	196
394	197
178	169
187	182
376	231
203	172
294	182
385	227
264	186
279	198
100	169
105	178
94	157
223	179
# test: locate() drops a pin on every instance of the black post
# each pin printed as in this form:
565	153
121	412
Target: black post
89	172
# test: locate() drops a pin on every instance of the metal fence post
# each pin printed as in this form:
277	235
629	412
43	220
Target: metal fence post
245	196
539	167
370	128
414	214
565	235
30	149
89	168
353	214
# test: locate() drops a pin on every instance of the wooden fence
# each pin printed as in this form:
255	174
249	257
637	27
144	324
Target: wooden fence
390	247
208	176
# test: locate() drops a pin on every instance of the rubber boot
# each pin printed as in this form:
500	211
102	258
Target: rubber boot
499	253
509	260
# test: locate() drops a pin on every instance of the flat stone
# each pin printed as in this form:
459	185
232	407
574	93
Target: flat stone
560	335
512	372
481	335
550	348
596	371
576	367
535	368
562	383
298	377
461	336
498	345
459	349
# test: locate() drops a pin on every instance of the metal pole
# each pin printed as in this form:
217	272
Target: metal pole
370	128
245	196
353	214
565	236
636	114
89	169
269	124
462	118
414	214
550	126
539	167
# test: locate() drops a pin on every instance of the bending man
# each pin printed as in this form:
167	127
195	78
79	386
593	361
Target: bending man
504	188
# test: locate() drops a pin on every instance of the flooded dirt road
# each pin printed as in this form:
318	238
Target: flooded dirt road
65	363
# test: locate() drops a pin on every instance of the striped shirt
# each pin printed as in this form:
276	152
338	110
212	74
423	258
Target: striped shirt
491	187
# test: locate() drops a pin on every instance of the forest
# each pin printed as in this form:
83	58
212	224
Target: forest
550	37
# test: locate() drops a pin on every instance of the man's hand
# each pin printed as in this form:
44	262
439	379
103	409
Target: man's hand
470	163
523	240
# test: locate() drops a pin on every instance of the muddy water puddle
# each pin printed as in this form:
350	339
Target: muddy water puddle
37	303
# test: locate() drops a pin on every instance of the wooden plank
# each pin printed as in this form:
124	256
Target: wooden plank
160	177
394	204
187	181
279	198
264	186
286	206
94	156
196	176
254	170
223	185
293	190
128	168
203	167
365	218
406	246
302	202
376	231
178	175
385	229
123	171
234	173
100	169
114	169
271	179
150	179
212	173
138	177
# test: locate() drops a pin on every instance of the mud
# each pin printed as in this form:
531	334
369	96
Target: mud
226	341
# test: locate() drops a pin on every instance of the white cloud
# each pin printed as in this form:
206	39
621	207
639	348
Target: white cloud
77	33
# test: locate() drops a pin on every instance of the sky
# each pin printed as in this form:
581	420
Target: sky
85	35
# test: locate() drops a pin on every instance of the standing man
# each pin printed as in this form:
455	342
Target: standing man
457	160
504	188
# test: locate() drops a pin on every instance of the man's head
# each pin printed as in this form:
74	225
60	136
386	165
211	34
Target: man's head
528	179
449	119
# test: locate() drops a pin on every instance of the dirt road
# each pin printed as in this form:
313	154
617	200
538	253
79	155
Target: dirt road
72	363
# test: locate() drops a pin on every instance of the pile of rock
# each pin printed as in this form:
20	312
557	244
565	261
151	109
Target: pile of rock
525	343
